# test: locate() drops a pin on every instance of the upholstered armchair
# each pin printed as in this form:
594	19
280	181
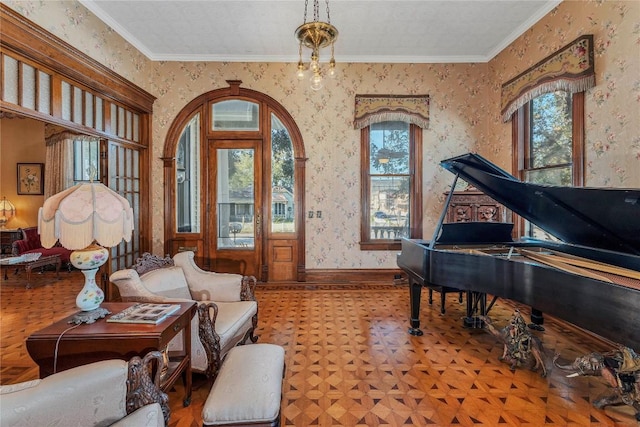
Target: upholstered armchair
109	393
227	309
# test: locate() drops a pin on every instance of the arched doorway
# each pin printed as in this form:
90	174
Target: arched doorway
234	185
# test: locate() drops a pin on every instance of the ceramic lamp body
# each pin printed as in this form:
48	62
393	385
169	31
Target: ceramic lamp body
89	260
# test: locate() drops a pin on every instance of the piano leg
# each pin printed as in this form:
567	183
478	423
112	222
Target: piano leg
415	293
537	320
476	306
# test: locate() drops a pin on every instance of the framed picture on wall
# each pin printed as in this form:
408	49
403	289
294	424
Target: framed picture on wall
31	178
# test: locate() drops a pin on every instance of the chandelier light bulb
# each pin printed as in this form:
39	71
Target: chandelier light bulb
332	73
315	65
316	81
301	71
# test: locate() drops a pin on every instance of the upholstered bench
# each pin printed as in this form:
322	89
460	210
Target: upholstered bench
248	389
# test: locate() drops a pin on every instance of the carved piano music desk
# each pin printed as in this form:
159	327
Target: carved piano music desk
590	277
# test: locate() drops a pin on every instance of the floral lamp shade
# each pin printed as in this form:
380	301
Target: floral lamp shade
85	213
86	218
7	211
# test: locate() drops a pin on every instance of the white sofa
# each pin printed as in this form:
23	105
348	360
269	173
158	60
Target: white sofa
109	393
227	309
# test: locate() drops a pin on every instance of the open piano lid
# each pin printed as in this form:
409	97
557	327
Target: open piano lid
605	218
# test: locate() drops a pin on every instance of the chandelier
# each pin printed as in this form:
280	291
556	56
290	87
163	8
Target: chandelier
315	35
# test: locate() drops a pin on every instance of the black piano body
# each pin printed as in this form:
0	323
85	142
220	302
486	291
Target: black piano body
599	225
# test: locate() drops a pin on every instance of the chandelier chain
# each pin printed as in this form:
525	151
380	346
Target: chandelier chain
316	11
306	5
328	16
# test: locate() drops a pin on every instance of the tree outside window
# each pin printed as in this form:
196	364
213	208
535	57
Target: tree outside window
550	143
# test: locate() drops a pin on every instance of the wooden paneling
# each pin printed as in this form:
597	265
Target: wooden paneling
281	260
472	206
27	39
386	275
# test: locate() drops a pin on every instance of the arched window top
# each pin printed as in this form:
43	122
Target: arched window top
235	115
205	103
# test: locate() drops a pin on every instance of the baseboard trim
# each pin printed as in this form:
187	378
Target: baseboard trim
341	276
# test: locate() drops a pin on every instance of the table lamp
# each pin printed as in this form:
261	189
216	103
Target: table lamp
86	218
7	211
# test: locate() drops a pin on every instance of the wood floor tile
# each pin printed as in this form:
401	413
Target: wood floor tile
350	361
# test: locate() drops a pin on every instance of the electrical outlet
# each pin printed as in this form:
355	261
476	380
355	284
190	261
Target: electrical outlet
318	214
310	214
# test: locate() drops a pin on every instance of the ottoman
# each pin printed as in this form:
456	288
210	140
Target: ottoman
248	388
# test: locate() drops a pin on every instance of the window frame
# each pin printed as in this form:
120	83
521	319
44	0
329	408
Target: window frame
521	139
415	189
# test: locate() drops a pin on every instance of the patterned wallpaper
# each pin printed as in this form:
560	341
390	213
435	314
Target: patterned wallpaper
465	110
612	107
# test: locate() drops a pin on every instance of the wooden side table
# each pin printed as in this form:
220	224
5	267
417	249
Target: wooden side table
30	265
87	343
7	237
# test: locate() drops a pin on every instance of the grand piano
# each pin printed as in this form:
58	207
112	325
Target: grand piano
589	275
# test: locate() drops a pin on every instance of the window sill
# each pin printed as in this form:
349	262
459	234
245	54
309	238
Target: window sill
381	245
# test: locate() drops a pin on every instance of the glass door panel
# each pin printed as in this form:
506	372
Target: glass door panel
282	179
235	198
235	214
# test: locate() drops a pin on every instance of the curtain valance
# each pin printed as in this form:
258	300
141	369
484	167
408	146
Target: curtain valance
61	136
570	69
371	109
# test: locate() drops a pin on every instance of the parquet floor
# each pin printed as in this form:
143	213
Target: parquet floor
350	361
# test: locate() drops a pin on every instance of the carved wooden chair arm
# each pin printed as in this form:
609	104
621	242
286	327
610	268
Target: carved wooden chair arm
141	389
209	337
247	291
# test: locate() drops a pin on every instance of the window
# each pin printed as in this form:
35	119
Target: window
391	188
86	159
550	143
235	115
188	178
282	178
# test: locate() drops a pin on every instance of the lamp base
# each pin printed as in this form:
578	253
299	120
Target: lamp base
89	260
91	296
89	316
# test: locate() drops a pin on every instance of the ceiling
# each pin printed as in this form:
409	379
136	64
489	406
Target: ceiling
379	31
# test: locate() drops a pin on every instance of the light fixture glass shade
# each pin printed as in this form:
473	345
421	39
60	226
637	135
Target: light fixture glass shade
86	218
316	81
7	212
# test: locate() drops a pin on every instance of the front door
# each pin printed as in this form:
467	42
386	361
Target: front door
235	206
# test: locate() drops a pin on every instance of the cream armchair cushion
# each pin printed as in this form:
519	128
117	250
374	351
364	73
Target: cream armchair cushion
234	315
89	395
169	282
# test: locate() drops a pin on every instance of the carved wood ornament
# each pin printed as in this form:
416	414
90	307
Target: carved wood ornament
141	389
